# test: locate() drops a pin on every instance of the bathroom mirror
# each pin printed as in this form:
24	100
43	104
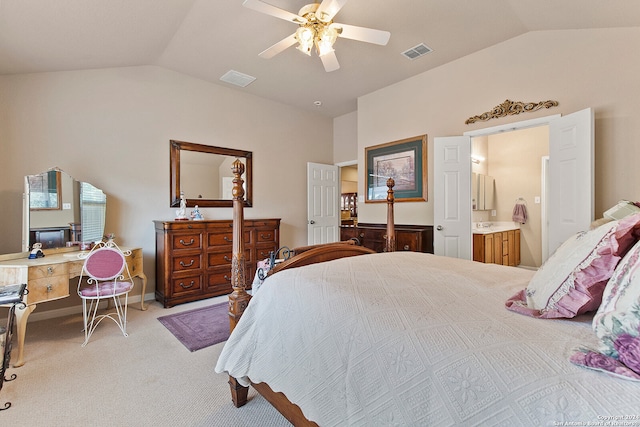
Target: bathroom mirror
482	192
58	209
203	174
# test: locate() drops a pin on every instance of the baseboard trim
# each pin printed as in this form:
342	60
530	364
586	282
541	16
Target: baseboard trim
76	309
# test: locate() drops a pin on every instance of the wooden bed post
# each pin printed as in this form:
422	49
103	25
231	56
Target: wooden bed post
391	231
239	298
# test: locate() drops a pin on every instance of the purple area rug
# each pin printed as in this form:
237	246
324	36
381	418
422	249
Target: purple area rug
201	327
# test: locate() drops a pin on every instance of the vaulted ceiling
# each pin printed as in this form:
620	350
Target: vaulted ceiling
207	38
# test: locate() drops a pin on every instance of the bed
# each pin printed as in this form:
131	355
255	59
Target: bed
405	338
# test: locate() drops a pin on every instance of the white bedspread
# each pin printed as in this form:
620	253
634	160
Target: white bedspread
413	339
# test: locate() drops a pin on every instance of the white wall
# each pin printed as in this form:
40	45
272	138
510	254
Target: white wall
577	68
112	127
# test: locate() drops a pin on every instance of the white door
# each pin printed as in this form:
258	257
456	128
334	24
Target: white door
571	161
323	197
452	197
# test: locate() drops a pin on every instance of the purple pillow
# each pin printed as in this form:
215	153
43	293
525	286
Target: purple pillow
572	280
617	323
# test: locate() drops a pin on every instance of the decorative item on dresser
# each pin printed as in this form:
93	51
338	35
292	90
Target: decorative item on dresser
416	238
193	258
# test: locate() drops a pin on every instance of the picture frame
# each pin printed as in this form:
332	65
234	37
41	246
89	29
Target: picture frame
406	162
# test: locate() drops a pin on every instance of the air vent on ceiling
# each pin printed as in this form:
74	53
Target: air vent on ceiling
417	51
237	78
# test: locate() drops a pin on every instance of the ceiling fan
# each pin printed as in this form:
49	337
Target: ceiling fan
316	28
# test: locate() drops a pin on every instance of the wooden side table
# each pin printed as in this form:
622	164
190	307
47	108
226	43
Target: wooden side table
9	295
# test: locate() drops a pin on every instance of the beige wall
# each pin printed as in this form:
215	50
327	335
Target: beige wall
578	68
345	138
112	128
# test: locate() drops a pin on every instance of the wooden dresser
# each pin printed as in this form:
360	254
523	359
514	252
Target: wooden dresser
416	238
193	258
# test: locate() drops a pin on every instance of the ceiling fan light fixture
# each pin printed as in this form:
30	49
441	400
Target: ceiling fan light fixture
305	37
325	40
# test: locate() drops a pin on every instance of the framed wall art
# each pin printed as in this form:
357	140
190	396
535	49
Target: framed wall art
406	162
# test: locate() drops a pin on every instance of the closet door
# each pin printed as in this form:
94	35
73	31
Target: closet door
452	197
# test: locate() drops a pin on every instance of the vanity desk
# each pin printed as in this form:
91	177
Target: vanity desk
49	279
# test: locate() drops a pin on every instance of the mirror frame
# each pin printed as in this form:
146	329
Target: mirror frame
177	146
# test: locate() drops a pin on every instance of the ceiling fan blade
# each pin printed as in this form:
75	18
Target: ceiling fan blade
330	61
362	34
328	9
274	11
278	47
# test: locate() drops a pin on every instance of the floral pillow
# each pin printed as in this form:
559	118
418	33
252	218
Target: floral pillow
572	280
617	323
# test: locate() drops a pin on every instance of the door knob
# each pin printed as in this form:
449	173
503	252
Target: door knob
312	222
439	228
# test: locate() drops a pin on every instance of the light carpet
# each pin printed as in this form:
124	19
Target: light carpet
146	379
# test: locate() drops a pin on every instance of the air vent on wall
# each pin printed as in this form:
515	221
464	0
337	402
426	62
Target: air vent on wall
237	78
417	51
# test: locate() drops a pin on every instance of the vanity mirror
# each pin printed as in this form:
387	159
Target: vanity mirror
203	174
58	209
482	192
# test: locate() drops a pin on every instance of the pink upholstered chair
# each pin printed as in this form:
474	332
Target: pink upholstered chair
105	276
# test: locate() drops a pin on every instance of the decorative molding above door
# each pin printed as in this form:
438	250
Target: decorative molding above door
510	108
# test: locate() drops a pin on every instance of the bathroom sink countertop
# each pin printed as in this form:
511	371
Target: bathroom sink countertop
494	227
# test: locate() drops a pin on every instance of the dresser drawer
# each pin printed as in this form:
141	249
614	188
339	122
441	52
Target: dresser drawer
264	251
407	241
186	241
215	259
220	280
187	262
263	236
47	288
187	285
48	270
225	239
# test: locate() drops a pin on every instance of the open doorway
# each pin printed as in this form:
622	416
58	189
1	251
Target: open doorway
512	162
349	194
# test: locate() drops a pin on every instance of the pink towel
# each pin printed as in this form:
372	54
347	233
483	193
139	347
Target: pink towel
520	213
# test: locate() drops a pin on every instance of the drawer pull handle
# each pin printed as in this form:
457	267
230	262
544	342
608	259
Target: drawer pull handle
265	236
187	265
226	258
227	278
361	234
183	243
50	270
406	247
190	285
49	288
227	239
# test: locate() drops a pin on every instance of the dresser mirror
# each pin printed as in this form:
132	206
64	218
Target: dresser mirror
202	173
60	211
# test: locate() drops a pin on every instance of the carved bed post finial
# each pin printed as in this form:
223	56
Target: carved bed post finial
239	298
391	231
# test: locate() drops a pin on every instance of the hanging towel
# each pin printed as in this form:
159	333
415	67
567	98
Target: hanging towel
520	213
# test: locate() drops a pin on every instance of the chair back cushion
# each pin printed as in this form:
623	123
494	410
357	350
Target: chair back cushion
104	263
